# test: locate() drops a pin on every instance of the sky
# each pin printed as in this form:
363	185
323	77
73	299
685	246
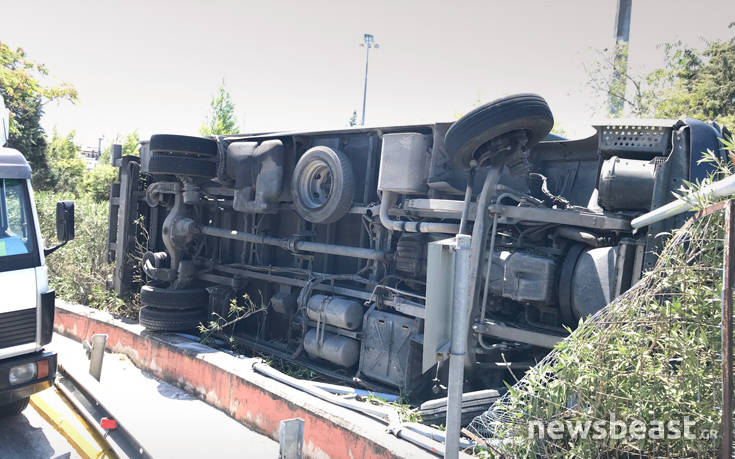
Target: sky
153	66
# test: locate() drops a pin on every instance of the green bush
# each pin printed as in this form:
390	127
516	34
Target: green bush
65	166
97	182
79	271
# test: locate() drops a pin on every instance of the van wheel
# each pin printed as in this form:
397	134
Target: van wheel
520	112
173	299
168	320
15	408
322	185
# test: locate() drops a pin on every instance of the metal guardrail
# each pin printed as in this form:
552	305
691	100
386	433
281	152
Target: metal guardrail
120	441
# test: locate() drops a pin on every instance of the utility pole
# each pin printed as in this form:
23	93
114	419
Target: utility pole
99	146
620	63
368	42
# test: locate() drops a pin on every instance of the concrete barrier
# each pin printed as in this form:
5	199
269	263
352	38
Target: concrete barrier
229	383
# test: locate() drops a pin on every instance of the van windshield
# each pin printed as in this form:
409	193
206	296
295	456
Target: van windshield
17	236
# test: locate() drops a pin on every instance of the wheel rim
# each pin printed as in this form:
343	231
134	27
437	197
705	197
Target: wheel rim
316	187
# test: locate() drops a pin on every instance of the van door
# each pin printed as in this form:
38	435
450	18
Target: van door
19	258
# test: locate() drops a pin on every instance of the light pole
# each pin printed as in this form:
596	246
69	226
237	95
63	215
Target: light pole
368	42
620	61
99	146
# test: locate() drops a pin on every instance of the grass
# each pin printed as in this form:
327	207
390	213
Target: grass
405	411
238	310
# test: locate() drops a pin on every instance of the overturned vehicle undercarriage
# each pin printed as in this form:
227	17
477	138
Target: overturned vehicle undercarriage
342	236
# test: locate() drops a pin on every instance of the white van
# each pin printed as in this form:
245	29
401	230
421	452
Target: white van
26	301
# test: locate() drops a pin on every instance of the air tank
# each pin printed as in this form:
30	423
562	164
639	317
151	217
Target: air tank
335	311
340	350
626	184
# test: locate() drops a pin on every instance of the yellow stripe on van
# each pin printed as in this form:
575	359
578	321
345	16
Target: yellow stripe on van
3	252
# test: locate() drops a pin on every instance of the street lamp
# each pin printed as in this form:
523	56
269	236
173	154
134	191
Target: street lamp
99	146
368	42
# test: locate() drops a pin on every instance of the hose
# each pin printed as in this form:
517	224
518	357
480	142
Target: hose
344	390
385	414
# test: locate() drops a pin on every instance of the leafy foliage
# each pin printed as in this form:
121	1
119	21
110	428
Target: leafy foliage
131	144
96	183
692	82
25	97
701	84
237	311
66	167
621	87
79	271
559	130
405	411
221	120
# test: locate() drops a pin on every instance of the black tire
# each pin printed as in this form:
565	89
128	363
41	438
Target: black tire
528	112
169	320
173	299
183	145
161	163
14	408
323	185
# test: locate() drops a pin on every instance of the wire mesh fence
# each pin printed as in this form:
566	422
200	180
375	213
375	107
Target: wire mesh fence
642	377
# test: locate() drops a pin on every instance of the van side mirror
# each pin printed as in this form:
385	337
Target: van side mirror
65	220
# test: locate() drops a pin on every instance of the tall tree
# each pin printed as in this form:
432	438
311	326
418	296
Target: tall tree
131	144
692	82
696	83
96	182
65	165
617	85
221	119
25	97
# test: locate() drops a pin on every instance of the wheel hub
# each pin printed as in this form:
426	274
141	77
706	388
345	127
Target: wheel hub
317	187
511	146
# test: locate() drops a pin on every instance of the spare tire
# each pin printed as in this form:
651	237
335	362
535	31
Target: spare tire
322	185
173	299
168	320
183	145
527	112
